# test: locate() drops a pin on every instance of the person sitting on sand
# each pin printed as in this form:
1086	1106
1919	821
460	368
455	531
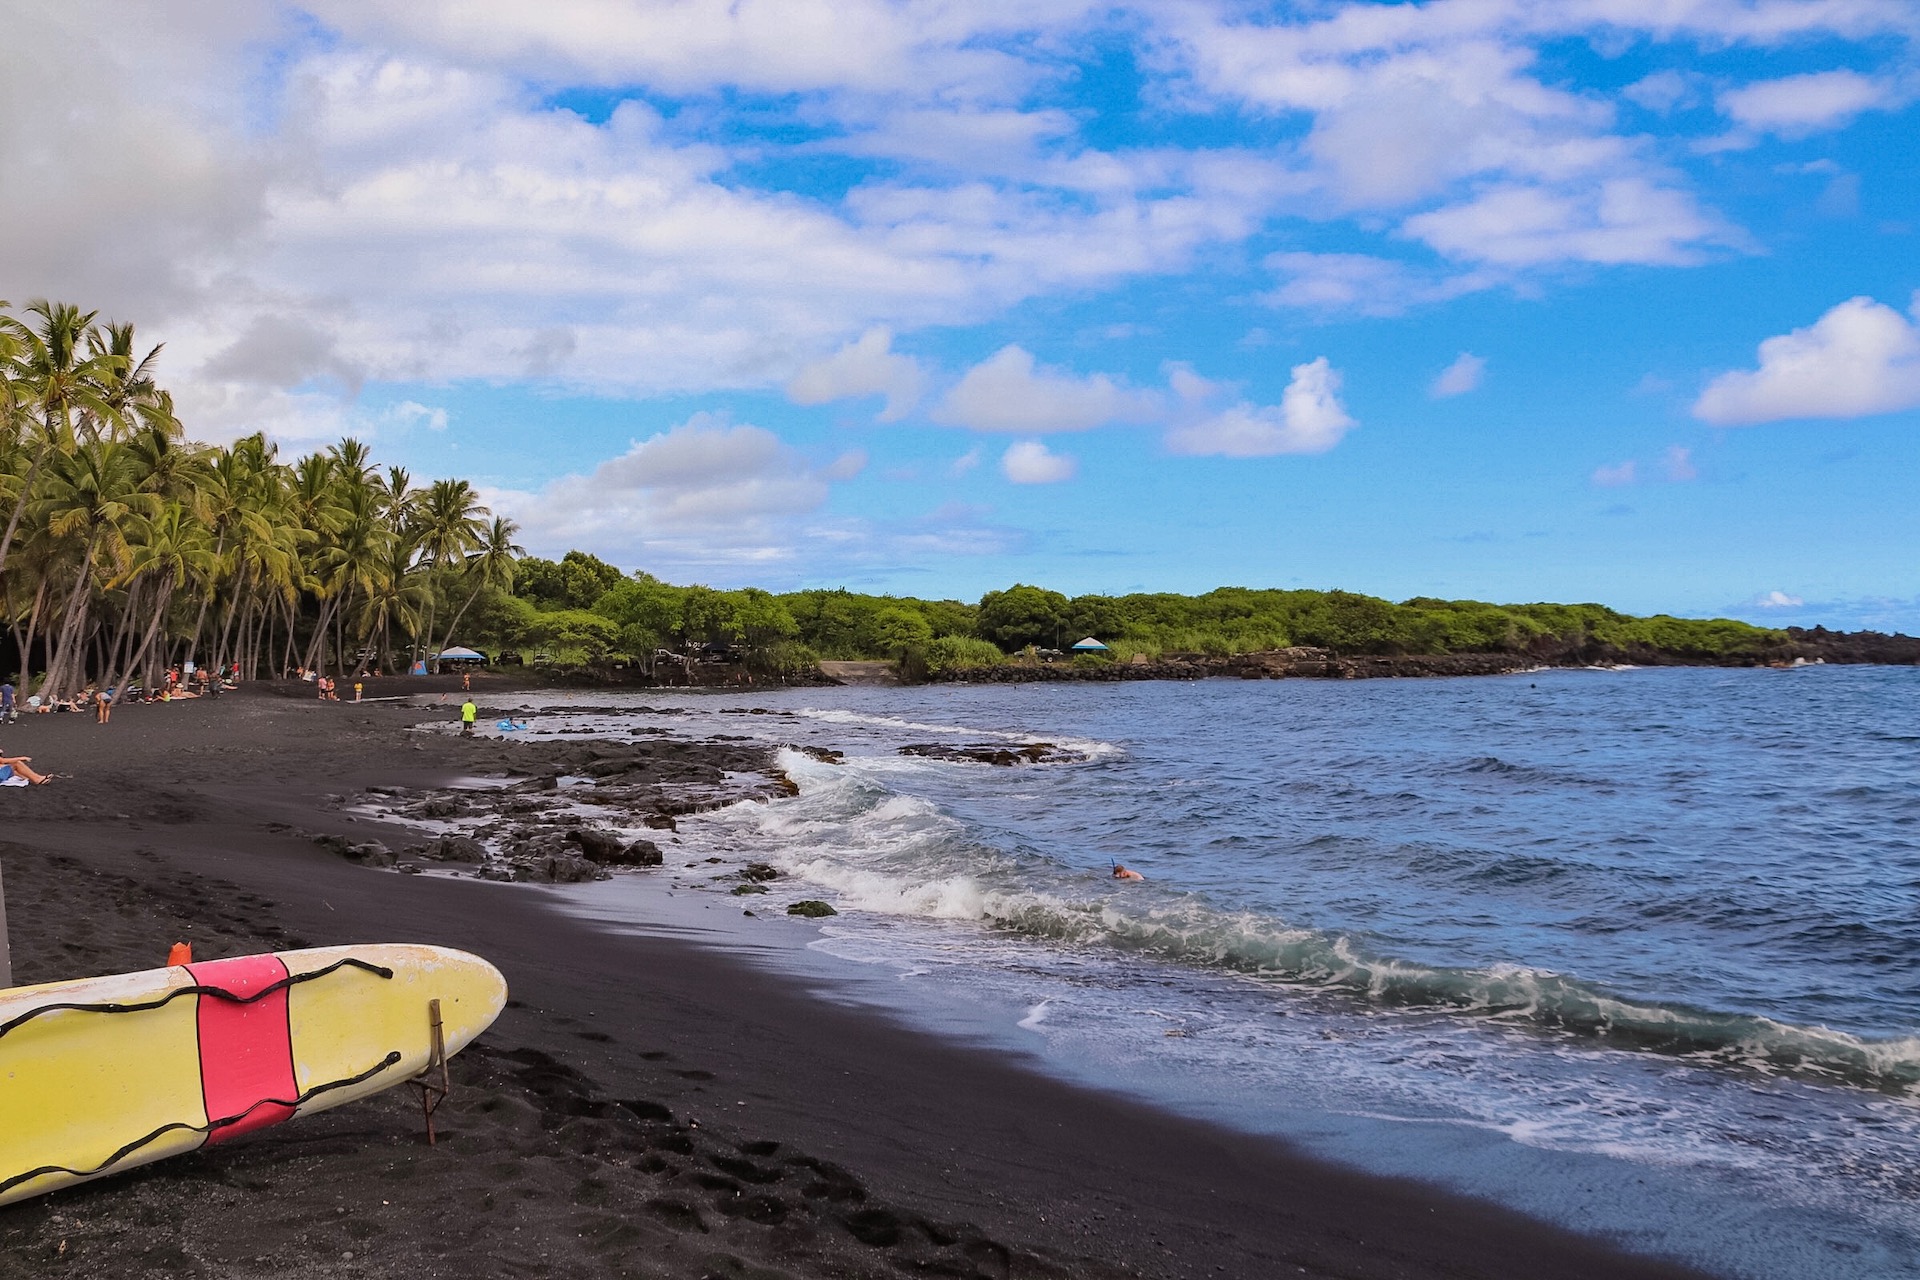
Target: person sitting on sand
1126	873
15	773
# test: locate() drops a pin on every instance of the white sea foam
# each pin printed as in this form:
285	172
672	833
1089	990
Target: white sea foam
1090	748
837	715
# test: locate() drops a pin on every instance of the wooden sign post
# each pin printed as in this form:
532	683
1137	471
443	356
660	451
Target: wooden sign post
6	958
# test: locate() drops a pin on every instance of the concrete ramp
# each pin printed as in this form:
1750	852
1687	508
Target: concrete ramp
867	673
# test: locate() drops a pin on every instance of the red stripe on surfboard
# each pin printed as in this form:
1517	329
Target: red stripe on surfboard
246	1050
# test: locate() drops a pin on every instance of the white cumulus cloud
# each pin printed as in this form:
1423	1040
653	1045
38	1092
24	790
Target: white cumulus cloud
705	492
1031	462
1008	391
867	366
1460	377
1860	358
1624	220
1360	282
1617	474
413	413
1308	419
1777	600
1795	105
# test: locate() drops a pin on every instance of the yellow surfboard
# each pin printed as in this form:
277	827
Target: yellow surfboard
103	1074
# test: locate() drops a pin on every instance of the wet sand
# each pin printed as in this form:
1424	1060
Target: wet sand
645	1106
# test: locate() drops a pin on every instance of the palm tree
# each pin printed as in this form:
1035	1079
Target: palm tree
136	398
171	547
91	495
396	594
353	462
57	381
490	565
448	524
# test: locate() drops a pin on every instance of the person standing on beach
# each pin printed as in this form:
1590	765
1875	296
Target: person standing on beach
7	711
103	706
468	714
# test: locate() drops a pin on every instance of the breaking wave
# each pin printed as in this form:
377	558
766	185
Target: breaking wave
893	854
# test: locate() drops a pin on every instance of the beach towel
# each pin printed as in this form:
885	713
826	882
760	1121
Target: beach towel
14	780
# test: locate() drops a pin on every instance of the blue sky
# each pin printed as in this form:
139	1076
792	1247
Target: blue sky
1602	300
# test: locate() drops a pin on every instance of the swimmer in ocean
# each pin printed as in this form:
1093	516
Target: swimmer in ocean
1126	873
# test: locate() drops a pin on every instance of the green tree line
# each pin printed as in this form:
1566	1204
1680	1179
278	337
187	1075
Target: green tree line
587	607
124	549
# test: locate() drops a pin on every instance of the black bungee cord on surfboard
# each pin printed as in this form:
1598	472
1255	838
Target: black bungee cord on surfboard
209	1128
219	993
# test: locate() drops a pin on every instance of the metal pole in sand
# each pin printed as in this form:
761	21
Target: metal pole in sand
6	958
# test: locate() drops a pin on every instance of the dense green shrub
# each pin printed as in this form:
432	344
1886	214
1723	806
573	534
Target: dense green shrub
948	654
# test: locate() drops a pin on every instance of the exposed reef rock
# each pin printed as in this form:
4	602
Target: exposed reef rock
566	811
996	753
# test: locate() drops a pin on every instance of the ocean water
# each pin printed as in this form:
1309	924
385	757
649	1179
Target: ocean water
1638	951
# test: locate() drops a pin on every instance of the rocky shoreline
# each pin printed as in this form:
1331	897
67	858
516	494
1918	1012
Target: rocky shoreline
561	812
570	810
1802	648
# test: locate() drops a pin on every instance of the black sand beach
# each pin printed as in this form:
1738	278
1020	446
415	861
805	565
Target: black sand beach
645	1107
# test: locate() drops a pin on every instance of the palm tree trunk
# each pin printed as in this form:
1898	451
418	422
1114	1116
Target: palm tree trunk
240	592
340	632
263	635
193	641
163	593
426	632
316	646
13	625
70	627
246	645
454	626
111	667
151	651
20	503
33	626
286	656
